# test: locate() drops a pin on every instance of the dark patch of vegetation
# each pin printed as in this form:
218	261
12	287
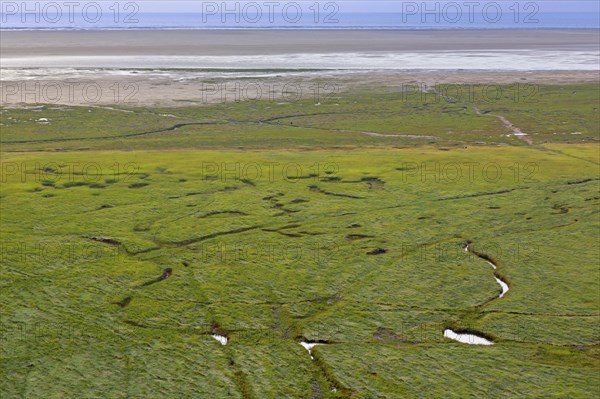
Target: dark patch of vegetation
104	240
377	251
248	182
215	213
581	181
138	185
165	275
124	302
354	237
70	184
315	188
274	196
299	201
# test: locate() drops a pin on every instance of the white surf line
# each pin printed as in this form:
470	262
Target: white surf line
470	339
309	346
223	340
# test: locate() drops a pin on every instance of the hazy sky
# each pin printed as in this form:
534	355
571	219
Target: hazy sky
377	5
344	5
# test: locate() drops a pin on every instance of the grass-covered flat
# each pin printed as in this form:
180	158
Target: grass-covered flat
274	236
369	117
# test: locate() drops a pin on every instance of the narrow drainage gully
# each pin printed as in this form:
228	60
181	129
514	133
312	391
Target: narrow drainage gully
500	282
473	339
308	346
503	285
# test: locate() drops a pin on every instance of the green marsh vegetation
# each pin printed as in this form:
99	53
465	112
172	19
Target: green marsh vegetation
129	238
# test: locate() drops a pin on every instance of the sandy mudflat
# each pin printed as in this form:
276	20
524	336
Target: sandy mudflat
520	50
195	67
257	42
155	90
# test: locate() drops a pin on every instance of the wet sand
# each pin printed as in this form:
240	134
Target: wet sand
103	89
128	61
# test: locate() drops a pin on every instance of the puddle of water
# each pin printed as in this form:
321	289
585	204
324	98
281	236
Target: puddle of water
467	338
491	264
308	346
223	340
